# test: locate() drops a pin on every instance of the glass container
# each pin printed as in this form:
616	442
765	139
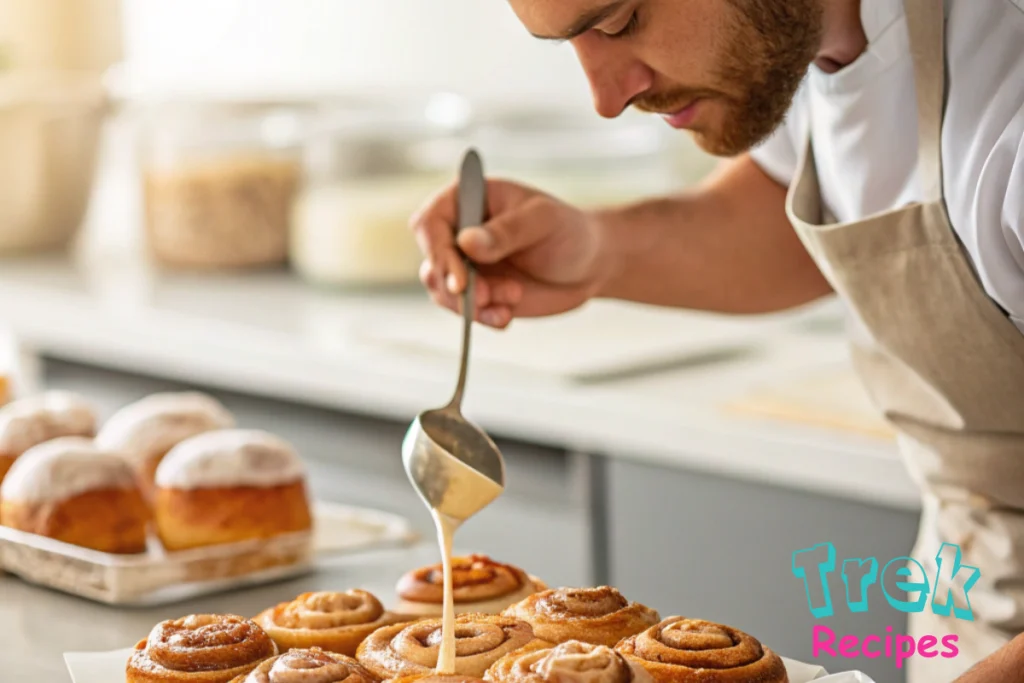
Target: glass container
219	182
366	175
576	156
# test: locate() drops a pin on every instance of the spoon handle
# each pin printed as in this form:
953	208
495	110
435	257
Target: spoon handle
472	210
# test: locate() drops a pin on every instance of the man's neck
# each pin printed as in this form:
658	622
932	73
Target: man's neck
844	39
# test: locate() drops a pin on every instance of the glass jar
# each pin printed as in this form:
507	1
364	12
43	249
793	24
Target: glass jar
366	175
578	157
219	182
51	128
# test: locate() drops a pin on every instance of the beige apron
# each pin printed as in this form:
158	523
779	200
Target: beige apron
945	365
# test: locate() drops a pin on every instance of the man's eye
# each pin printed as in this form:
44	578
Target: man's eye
629	29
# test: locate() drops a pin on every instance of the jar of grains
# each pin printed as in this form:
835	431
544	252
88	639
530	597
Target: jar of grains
219	183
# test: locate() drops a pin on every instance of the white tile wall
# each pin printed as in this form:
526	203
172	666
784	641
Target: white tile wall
477	47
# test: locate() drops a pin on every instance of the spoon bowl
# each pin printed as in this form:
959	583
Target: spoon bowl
454	466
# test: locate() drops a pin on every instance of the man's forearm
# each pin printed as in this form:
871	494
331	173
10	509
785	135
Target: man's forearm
727	246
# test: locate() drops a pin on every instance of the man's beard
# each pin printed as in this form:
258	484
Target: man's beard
773	42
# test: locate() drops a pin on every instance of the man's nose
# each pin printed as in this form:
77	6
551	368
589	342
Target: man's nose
616	77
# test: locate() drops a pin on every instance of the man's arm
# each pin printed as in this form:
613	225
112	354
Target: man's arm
726	246
1005	666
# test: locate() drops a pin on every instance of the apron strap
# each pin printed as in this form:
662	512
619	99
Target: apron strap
926	22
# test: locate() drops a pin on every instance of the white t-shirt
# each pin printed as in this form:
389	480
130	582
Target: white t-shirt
863	120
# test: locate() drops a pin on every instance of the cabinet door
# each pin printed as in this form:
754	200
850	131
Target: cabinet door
721	549
540	523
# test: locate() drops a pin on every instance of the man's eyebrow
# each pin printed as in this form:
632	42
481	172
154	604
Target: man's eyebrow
586	22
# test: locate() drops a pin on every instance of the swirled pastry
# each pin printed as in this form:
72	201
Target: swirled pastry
308	666
338	622
412	649
482	586
695	651
227	486
200	648
146	430
33	420
69	490
570	662
437	678
601	616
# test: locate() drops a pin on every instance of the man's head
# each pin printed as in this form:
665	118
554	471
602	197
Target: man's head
725	69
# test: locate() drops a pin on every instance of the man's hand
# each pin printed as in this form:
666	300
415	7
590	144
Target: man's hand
724	246
1005	666
535	255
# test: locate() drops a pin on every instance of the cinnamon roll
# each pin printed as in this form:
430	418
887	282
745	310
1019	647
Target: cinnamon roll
200	648
570	662
412	649
601	616
227	486
695	651
146	430
437	678
33	420
308	666
69	490
482	586
338	622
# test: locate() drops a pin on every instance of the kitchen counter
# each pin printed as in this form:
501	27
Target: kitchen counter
270	335
38	626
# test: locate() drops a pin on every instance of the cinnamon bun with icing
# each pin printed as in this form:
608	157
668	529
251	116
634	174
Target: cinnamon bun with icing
33	420
146	430
481	586
437	678
227	486
412	649
601	616
569	662
200	648
308	666
679	650
337	622
71	491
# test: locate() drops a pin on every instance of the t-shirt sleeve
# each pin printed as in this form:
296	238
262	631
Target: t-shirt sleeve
779	155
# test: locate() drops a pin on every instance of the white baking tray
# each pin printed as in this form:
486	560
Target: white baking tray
158	577
108	667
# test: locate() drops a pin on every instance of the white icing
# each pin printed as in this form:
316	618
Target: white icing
230	457
153	425
492	606
63	468
32	420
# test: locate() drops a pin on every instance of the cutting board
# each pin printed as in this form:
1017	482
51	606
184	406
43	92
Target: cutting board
603	340
832	398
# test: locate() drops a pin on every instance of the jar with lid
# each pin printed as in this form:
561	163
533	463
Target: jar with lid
576	156
219	182
366	174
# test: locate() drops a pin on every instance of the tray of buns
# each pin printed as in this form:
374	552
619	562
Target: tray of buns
167	500
510	628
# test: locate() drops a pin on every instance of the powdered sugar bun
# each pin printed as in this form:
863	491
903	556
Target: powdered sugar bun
153	425
228	458
32	420
63	468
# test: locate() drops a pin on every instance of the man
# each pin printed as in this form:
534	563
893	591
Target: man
896	180
1005	666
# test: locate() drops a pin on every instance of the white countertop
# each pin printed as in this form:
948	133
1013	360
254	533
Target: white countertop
269	334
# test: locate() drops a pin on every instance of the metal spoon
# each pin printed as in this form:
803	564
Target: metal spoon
453	465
